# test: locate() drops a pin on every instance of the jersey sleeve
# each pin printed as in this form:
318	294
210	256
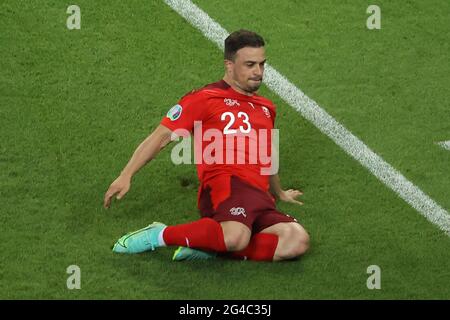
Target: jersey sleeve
192	107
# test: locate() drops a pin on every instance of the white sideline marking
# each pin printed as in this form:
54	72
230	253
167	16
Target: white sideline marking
310	110
445	144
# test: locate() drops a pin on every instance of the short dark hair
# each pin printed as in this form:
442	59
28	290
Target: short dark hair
240	39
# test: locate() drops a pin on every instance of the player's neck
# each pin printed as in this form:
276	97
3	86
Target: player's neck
235	87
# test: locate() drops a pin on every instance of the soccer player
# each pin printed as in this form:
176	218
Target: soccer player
236	200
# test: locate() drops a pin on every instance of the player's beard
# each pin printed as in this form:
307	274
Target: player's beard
248	86
253	86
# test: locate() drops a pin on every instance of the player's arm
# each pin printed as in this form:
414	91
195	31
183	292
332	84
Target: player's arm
143	154
284	195
274	180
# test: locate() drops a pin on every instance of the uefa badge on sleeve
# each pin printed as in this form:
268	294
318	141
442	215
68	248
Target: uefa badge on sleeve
175	112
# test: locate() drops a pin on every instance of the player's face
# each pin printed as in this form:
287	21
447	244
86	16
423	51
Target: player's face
247	69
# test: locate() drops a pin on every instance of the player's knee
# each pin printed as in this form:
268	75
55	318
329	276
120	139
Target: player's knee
302	245
236	235
297	240
236	240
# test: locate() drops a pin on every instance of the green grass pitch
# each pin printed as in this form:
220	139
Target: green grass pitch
74	104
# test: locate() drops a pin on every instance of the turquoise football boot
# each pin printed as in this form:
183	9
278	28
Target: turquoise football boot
184	253
144	239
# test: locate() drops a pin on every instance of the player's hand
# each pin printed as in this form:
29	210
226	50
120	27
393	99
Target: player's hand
120	186
290	196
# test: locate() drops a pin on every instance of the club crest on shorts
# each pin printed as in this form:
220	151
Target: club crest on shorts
175	112
236	211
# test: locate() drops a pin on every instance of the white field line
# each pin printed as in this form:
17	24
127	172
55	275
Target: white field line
445	144
310	110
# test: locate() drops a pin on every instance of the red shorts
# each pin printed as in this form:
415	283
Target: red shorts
228	198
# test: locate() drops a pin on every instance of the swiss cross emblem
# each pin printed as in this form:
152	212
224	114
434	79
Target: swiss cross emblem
266	111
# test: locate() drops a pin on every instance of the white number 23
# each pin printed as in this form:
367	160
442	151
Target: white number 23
240	114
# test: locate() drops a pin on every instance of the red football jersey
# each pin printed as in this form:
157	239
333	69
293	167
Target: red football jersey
219	116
